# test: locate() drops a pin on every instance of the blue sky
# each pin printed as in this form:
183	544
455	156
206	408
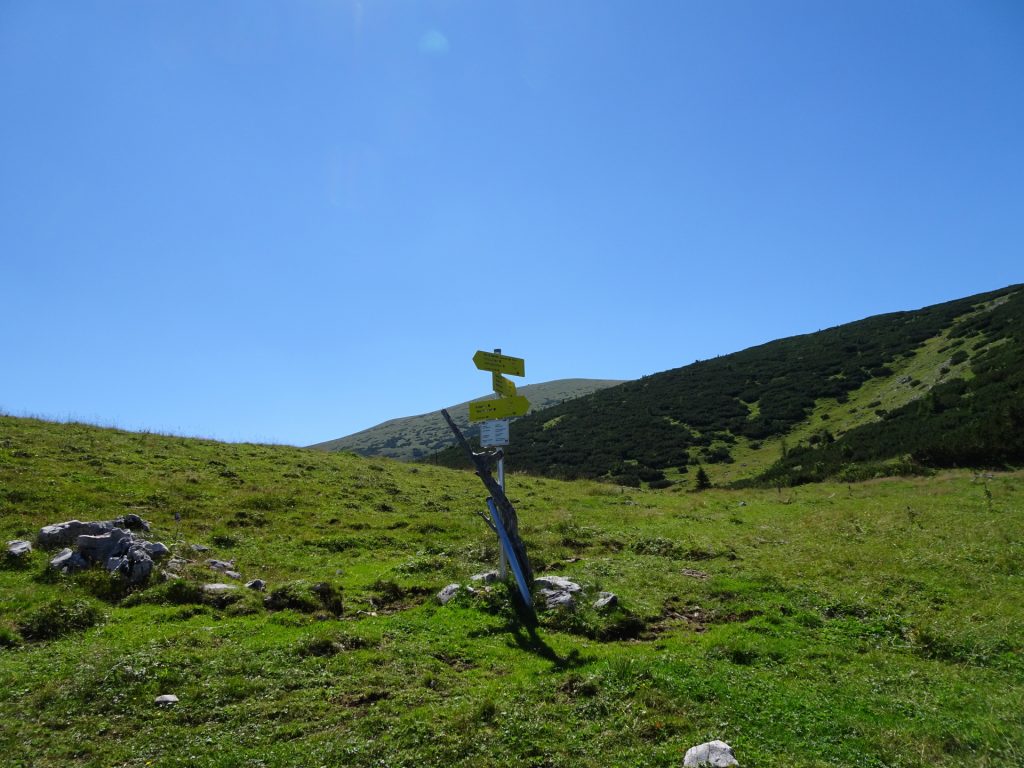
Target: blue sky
289	221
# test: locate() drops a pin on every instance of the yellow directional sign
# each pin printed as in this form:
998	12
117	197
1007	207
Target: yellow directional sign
492	361
502	408
501	385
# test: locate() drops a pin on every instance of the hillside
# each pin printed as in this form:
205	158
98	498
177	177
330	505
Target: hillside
877	624
414	437
940	386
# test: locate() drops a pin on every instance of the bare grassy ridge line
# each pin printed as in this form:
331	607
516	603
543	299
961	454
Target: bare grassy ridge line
413	437
873	624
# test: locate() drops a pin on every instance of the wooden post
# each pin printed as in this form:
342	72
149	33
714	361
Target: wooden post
509	519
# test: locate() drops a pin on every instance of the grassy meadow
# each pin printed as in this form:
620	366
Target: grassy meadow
869	624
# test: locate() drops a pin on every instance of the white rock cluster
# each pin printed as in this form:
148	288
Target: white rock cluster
716	754
109	543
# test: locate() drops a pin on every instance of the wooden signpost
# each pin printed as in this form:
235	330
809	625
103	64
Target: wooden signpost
493	434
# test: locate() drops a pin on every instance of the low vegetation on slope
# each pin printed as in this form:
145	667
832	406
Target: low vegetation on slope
946	379
873	624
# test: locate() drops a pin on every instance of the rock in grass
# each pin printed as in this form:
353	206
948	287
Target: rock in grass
716	754
166	700
18	548
556	598
556	583
99	549
605	601
218	589
63	534
233	575
256	584
487	577
448	593
67	560
157	550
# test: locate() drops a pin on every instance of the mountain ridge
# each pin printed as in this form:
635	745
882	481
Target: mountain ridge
740	414
413	437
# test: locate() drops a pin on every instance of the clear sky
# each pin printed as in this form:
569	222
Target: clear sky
289	221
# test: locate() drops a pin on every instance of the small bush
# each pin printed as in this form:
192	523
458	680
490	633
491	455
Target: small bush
9	637
104	585
60	617
304	597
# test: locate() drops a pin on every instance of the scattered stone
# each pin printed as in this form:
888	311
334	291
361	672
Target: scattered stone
166	700
742	504
446	594
18	548
221	565
99	548
108	543
177	562
554	598
200	548
716	754
233	575
218	589
68	561
557	583
64	534
132	522
256	584
488	577
695	574
139	571
156	550
606	600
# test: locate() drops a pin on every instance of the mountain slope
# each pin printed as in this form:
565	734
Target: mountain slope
413	437
814	628
741	413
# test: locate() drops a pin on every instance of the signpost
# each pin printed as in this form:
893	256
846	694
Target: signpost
499	363
493	434
502	408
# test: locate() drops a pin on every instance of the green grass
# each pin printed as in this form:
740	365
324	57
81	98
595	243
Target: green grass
872	624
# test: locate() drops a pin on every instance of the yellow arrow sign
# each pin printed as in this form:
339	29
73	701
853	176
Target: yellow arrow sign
492	361
501	385
502	408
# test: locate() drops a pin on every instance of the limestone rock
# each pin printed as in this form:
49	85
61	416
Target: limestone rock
156	549
606	600
556	598
99	548
218	589
200	548
716	754
556	583
139	570
233	574
488	577
68	561
64	534
448	593
221	565
131	522
166	700
18	548
256	584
